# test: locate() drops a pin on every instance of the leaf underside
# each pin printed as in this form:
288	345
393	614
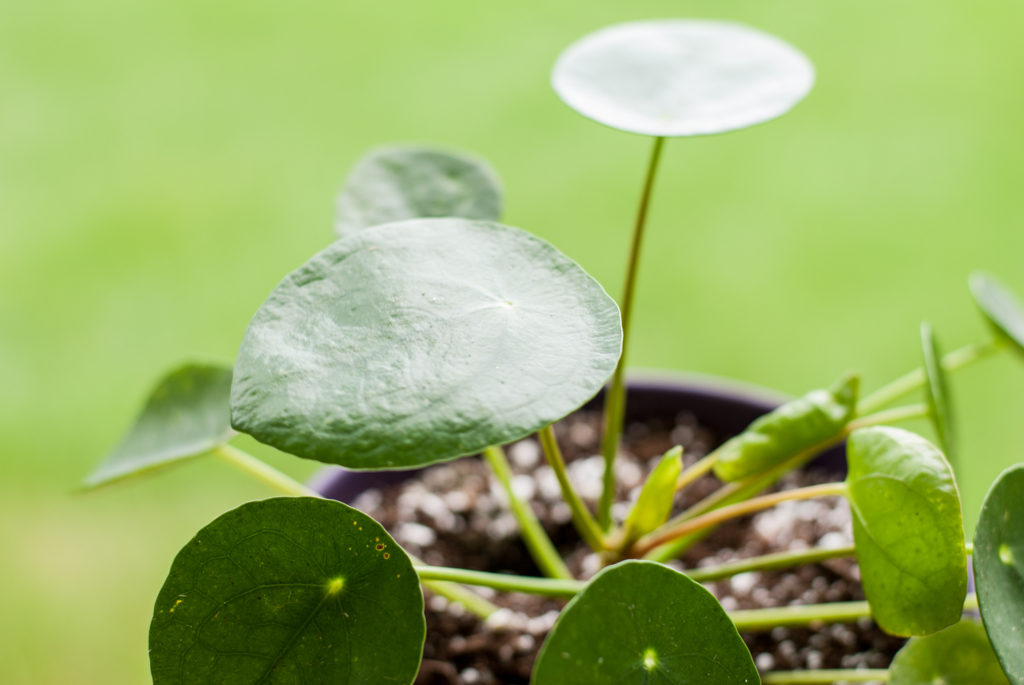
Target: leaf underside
937	392
289	590
1000	307
421	341
958	655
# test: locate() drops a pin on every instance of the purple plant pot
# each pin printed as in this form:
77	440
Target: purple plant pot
724	407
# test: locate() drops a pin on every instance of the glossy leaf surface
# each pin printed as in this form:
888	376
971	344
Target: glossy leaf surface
186	415
999	569
289	590
654	503
937	391
794	427
639	622
1000	307
958	655
907	530
398	183
420	341
681	77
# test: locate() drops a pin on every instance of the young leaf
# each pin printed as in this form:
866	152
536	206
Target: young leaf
795	426
681	77
937	389
393	184
644	623
999	306
186	415
420	341
907	530
958	655
654	504
285	590
999	569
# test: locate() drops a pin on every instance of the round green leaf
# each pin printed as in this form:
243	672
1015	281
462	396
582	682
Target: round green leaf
186	415
679	77
393	184
289	590
1000	307
907	529
421	341
937	389
958	655
999	569
642	622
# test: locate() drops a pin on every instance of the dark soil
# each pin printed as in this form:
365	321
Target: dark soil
456	515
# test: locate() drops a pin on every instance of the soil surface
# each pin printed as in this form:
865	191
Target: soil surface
456	514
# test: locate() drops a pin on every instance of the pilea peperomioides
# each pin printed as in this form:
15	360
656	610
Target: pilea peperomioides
429	331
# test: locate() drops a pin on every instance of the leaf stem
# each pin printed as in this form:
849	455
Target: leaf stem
696	470
811	615
537	541
825	677
581	517
716	516
769	562
546	587
910	411
615	400
957	359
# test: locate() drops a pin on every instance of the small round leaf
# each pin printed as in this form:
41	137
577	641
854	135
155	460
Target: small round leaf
999	569
186	415
680	77
1000	307
907	529
289	590
421	341
937	389
644	623
958	655
398	183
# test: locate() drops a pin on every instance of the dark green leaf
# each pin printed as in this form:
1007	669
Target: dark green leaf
654	503
794	427
398	183
958	655
999	569
420	341
907	529
1000	307
644	623
677	77
186	415
937	389
289	590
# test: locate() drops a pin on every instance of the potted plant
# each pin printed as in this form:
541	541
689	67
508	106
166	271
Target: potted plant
429	332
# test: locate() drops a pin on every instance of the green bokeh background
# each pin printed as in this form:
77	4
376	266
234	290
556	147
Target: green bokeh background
163	164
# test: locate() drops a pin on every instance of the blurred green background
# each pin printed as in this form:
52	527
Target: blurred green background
163	164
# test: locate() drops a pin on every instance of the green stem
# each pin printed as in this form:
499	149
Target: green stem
696	470
547	587
825	677
289	486
615	400
581	517
811	615
957	359
263	471
751	506
769	562
911	411
537	541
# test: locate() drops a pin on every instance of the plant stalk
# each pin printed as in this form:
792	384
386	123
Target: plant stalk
615	400
696	470
537	541
585	524
910	411
545	587
769	562
826	676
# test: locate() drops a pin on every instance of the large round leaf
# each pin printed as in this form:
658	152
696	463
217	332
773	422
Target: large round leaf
393	184
999	569
289	590
186	415
681	77
644	623
907	529
937	390
958	655
421	341
999	306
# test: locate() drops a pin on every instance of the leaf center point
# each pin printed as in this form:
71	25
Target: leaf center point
650	659
334	586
